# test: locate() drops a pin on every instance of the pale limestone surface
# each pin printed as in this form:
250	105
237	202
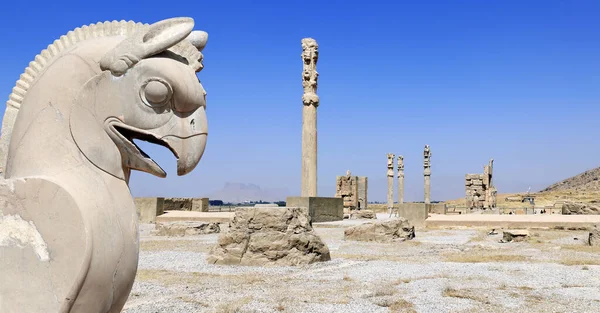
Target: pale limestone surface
362	214
268	236
67	143
310	56
185	228
371	277
398	229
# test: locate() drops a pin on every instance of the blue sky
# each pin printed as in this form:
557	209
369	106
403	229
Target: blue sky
517	81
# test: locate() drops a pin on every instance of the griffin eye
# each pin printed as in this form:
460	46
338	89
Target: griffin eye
156	92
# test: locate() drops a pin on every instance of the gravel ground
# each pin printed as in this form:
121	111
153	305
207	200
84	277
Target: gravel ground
438	271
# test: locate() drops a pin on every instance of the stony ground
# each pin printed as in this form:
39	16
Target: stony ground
438	271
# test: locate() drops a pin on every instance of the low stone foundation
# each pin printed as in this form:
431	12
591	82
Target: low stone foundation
415	213
149	208
321	209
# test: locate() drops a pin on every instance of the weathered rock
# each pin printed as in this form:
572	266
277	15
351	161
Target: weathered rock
269	236
381	231
180	229
578	208
594	238
515	235
178	204
362	214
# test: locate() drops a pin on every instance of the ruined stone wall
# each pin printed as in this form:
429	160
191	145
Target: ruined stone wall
352	190
479	189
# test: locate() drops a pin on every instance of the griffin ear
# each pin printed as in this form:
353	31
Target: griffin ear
198	39
159	37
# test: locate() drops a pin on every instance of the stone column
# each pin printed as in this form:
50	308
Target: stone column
427	173
400	179
390	176
310	55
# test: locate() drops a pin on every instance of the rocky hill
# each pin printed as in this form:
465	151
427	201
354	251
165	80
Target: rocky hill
588	181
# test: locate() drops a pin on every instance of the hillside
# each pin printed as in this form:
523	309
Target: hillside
584	187
588	181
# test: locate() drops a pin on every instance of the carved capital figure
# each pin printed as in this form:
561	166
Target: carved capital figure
400	166
310	56
71	122
427	160
390	164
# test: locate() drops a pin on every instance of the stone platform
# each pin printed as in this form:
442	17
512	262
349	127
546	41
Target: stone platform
208	217
511	221
321	209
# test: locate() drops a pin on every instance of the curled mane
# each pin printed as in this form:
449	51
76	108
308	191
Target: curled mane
185	49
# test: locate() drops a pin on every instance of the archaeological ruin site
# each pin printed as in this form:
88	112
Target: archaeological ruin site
73	238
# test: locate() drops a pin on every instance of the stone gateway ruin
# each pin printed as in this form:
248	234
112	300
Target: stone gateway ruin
480	192
353	191
70	234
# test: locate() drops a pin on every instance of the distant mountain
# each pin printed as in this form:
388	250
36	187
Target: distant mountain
238	192
584	182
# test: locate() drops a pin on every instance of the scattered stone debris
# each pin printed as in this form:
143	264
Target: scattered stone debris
515	235
594	237
362	214
492	232
181	229
381	231
263	236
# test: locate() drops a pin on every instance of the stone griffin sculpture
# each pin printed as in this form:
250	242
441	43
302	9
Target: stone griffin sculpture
68	223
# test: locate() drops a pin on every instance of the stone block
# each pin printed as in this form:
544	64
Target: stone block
321	209
381	231
200	204
415	213
149	208
438	208
185	228
178	204
260	236
474	176
515	235
362	214
363	189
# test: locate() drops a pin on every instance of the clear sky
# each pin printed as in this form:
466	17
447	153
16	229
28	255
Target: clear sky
517	81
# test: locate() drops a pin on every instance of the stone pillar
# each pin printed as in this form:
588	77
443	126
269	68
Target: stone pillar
390	176
363	190
400	179
427	173
310	55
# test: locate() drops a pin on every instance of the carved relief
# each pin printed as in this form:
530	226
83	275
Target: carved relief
310	56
